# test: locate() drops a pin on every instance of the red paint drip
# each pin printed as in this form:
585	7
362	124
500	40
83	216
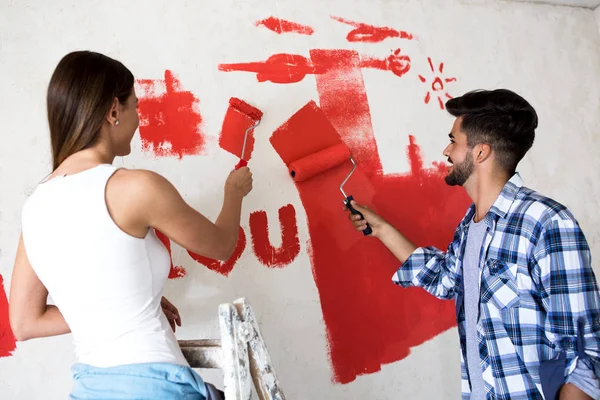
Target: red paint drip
175	271
282	26
370	33
353	274
266	253
169	122
239	117
8	343
223	268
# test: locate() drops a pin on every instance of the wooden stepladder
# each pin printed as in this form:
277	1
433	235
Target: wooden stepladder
241	353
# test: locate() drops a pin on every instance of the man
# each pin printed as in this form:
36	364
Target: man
519	267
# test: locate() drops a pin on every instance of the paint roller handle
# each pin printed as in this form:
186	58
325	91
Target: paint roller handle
241	164
354	211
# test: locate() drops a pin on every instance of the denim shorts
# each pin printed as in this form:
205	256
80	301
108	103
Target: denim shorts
150	381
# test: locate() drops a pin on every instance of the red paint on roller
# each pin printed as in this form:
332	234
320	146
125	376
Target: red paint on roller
239	117
8	343
266	253
282	26
223	268
371	34
175	271
169	121
315	163
353	274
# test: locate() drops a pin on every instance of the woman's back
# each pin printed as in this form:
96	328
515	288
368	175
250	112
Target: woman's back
107	283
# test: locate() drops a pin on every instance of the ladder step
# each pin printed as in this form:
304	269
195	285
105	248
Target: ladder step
204	353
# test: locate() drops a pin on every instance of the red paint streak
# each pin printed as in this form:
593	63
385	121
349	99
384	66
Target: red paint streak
441	103
448	80
282	26
351	118
398	63
369	321
279	68
8	343
169	122
430	64
175	271
239	117
370	33
223	268
290	244
292	68
427	98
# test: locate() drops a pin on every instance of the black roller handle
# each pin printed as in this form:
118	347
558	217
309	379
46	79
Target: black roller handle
354	211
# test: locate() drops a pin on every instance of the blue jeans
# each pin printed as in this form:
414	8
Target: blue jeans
151	381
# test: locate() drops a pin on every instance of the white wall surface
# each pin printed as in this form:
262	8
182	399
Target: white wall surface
570	3
548	54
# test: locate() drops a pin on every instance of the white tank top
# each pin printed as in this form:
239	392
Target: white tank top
106	283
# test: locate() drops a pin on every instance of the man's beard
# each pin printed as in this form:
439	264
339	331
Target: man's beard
460	172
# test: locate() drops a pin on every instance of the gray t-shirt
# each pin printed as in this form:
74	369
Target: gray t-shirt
471	284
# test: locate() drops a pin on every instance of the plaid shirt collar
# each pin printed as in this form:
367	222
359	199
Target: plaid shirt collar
502	204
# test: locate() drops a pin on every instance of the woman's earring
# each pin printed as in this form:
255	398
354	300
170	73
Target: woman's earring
117	122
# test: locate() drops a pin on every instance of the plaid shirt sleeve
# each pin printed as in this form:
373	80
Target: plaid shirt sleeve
569	291
432	269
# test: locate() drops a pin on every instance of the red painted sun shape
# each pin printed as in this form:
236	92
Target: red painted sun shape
438	84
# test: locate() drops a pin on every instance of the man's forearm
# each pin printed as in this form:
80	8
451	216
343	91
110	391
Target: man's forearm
396	242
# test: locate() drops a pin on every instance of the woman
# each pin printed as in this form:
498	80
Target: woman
88	240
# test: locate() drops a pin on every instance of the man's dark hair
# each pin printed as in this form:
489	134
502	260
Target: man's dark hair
500	118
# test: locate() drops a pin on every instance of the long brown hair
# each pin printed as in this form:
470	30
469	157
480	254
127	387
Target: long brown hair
80	94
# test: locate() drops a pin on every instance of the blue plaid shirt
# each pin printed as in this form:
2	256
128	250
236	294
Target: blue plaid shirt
537	283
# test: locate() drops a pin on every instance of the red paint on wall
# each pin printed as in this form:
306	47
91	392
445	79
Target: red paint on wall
369	320
223	267
8	343
282	26
266	253
371	34
343	99
169	121
398	64
279	68
292	68
175	271
438	84
237	120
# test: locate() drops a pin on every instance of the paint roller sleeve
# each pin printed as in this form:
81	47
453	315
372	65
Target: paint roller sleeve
316	163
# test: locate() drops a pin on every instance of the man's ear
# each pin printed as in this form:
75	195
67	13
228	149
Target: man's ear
482	152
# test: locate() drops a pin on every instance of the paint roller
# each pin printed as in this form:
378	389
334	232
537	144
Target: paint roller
324	160
251	112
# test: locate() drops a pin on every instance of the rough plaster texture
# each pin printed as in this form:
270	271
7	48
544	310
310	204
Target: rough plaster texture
549	54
